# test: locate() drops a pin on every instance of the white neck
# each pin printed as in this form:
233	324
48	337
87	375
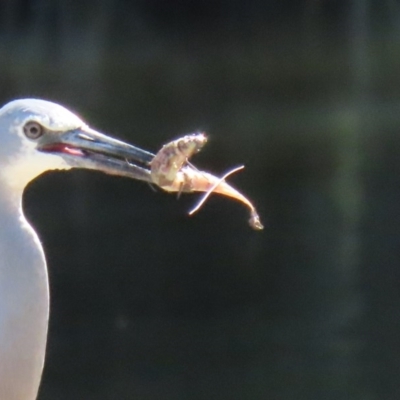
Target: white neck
24	303
18	171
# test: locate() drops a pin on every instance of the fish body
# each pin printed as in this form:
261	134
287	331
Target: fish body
171	170
189	180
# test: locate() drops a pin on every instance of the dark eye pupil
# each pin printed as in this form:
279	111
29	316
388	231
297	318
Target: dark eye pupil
33	130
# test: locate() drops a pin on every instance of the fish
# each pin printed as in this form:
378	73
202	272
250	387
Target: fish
172	171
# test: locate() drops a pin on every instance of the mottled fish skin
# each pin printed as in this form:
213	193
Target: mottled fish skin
169	160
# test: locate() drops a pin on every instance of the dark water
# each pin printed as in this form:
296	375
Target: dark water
148	303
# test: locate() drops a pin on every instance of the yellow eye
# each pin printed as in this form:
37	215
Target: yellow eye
33	130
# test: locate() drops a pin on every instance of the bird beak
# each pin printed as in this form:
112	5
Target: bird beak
87	148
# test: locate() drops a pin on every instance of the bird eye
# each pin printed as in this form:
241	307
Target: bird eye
33	130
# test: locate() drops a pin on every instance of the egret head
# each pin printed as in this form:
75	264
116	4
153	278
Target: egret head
38	135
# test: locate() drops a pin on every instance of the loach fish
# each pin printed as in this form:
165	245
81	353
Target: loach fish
171	170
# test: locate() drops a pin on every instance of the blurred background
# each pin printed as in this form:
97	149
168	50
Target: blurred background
148	303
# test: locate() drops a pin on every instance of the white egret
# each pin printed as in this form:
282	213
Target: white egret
35	136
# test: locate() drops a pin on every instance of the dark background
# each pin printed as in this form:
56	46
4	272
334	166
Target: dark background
148	303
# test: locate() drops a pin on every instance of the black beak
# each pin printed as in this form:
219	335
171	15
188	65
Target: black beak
87	148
